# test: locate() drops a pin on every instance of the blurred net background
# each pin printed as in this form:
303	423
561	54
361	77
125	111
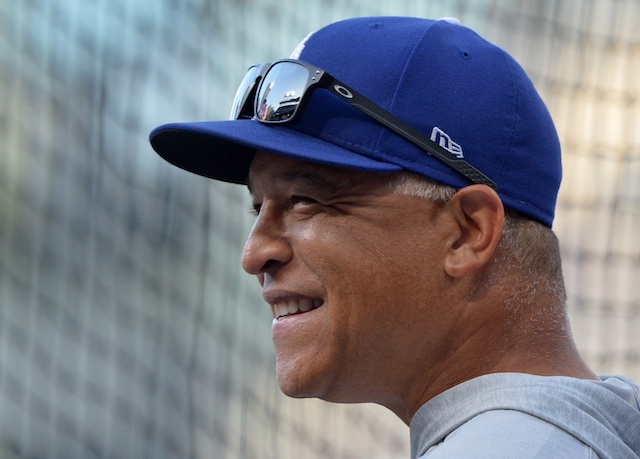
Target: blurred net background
127	329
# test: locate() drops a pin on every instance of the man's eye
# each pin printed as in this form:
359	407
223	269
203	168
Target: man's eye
297	201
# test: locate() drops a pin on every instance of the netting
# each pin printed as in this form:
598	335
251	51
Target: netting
127	328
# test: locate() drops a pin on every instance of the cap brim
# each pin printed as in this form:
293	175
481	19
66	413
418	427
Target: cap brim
223	150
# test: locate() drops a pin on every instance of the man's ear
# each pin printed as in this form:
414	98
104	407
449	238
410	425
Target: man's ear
478	214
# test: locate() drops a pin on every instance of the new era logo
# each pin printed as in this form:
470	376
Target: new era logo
442	138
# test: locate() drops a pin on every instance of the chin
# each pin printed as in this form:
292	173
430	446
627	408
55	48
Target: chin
298	381
296	387
315	386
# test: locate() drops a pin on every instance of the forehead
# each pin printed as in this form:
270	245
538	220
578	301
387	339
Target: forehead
269	170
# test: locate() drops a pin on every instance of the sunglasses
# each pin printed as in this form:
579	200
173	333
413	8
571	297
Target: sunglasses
277	93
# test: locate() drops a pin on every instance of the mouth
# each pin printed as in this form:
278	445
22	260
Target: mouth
292	307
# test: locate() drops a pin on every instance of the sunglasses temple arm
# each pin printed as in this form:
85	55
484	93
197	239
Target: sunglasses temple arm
410	133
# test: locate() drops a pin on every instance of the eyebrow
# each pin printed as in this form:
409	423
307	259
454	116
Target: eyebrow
311	179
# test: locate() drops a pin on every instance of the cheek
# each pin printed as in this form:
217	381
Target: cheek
334	254
352	259
355	253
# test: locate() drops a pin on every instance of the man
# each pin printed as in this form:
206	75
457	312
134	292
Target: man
404	174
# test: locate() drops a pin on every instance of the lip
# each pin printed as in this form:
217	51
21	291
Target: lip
286	326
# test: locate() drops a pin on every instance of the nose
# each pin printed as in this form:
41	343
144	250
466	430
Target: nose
267	246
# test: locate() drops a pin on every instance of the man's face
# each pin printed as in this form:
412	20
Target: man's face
353	274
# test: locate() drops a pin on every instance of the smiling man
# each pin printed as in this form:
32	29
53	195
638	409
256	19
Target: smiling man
404	175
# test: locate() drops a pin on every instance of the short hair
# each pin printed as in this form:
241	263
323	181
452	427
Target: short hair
527	247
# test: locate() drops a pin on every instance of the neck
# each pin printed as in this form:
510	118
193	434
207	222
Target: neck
489	344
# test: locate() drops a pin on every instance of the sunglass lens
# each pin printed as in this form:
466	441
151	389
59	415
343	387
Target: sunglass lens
280	92
242	107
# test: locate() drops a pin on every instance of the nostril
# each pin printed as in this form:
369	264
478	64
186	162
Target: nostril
269	265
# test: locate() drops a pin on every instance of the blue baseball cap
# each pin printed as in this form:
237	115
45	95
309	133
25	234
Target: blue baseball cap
442	78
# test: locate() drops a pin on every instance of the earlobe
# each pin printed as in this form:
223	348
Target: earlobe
478	213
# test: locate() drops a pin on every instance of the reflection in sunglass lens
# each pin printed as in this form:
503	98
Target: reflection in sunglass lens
280	93
243	92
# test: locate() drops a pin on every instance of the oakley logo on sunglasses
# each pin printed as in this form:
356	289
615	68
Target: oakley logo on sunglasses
344	92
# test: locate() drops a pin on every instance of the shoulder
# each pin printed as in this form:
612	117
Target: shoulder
526	416
506	434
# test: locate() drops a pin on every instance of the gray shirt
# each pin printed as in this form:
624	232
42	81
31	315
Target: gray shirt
515	415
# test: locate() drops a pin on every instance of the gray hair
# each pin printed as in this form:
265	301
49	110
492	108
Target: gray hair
527	248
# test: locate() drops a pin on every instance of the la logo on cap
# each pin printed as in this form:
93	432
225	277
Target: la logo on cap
296	52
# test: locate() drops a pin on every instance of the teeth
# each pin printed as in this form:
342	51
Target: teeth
305	305
293	306
282	309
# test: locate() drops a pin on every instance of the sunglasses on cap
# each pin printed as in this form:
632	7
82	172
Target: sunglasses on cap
277	94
